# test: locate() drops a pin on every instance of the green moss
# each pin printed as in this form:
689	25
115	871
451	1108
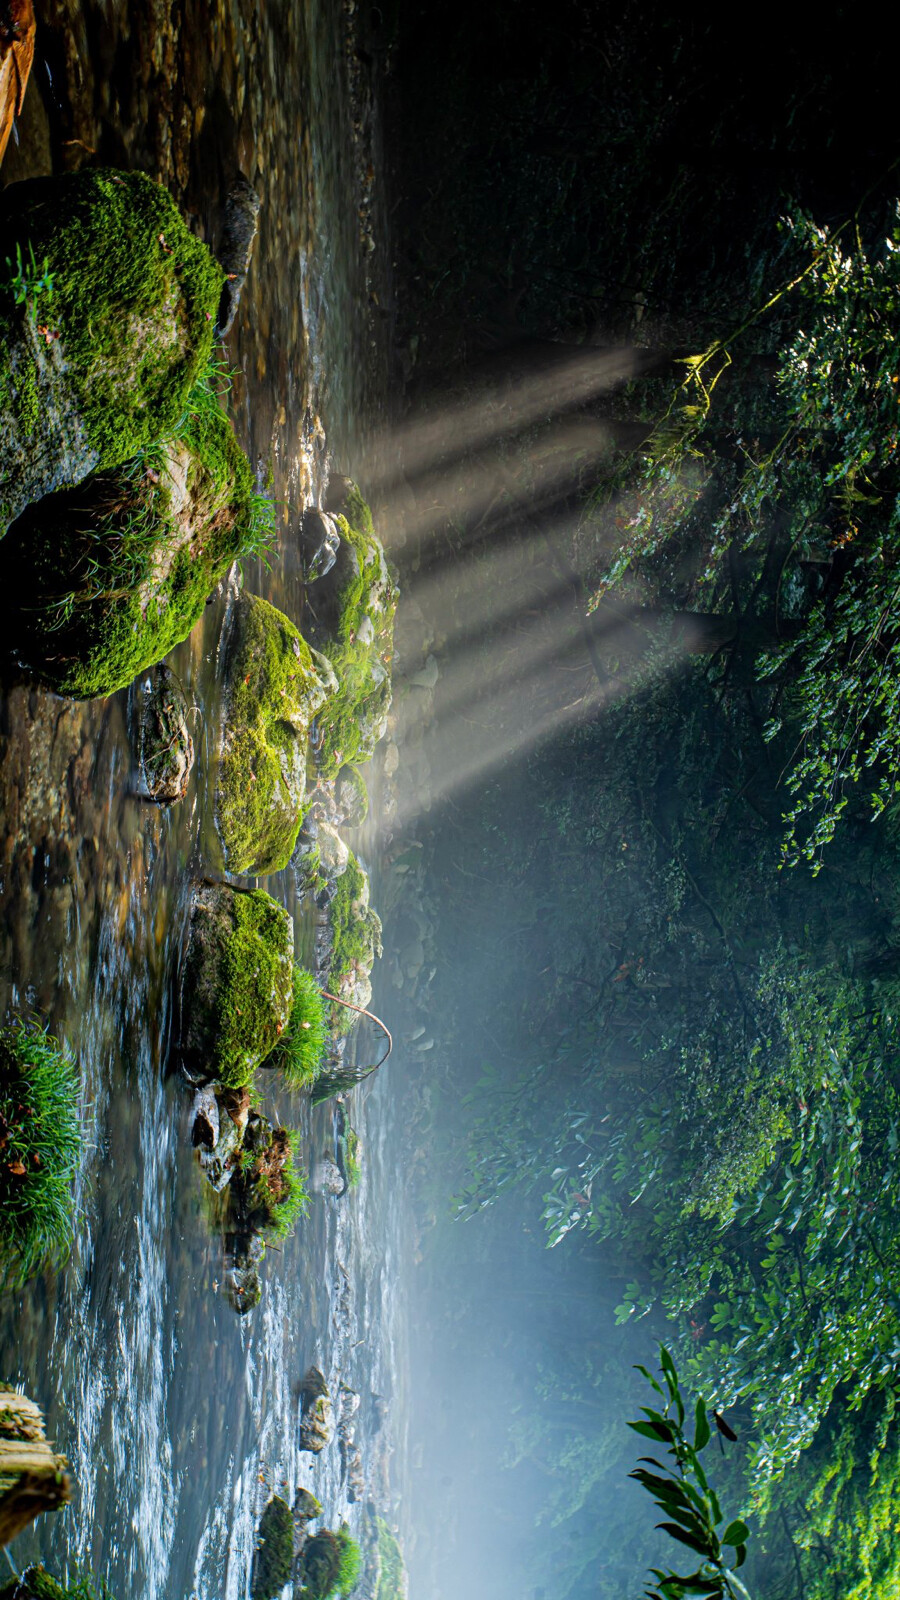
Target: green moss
101	581
352	1160
356	631
356	941
301	1048
37	1584
41	1150
274	1550
273	693
131	317
238	981
330	1564
391	1570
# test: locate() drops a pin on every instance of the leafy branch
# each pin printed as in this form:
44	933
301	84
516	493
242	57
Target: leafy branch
681	1490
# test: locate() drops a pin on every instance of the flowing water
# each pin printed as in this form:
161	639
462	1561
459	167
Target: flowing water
177	1417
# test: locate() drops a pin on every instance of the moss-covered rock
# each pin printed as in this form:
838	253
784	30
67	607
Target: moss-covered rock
329	1565
99	366
355	943
237	983
352	622
351	796
99	582
274	1550
274	686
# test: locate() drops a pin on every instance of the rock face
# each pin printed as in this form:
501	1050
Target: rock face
237	983
275	685
353	608
97	583
99	364
164	747
319	542
239	225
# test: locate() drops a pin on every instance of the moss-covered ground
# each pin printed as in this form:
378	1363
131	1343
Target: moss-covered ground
356	632
273	693
101	581
125	331
238	982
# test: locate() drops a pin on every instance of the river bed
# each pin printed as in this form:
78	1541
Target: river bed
177	1417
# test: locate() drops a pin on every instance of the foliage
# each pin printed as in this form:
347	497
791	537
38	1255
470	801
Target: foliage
794	485
683	1493
274	1550
301	1048
40	1150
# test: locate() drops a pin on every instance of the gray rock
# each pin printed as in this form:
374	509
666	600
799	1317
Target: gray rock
165	749
239	225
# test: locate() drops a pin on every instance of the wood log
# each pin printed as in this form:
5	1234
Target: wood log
32	1477
17	31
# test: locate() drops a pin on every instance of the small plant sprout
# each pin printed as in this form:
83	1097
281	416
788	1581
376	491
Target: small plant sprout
27	280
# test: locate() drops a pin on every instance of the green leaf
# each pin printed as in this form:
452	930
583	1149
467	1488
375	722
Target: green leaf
702	1547
702	1429
737	1532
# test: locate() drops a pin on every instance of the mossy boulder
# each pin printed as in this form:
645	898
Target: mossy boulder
99	582
352	622
355	943
351	796
99	365
274	686
274	1550
237	982
329	1564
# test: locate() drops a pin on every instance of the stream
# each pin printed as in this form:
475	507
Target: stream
178	1418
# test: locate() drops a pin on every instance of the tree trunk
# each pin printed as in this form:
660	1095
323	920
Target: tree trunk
32	1476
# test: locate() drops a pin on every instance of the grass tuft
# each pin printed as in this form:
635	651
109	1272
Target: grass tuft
40	1149
301	1048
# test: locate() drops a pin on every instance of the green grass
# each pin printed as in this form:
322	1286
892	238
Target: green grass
40	1149
351	1159
301	1048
